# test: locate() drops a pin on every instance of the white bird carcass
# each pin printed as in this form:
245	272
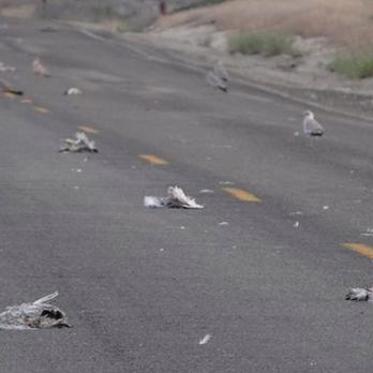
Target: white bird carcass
36	315
80	144
176	198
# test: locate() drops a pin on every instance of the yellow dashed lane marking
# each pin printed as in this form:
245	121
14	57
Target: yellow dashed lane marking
88	129
153	159
360	248
41	109
242	195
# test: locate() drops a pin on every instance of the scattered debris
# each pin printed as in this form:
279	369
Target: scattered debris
76	187
5	68
80	144
296	213
296	133
368	232
223	223
205	339
360	294
216	82
311	127
39	69
176	198
296	224
36	315
72	92
325	207
206	191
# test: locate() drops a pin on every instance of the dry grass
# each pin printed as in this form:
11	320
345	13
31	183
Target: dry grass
17	8
344	22
353	66
268	44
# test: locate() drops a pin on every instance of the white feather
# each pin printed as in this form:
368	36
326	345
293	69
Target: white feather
153	202
47	298
205	339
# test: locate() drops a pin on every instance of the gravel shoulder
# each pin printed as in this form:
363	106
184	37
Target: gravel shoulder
305	78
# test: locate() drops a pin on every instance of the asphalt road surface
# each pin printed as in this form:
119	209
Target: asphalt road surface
265	280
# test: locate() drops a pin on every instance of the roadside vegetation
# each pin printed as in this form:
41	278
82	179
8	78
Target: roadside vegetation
269	27
267	44
199	4
353	66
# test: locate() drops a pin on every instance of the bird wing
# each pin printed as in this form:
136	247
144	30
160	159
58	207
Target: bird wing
46	298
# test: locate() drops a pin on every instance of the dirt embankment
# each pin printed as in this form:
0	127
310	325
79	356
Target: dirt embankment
321	30
122	15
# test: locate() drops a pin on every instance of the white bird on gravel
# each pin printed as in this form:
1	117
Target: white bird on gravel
39	69
311	127
36	315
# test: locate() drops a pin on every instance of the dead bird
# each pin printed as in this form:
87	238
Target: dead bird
7	88
360	294
80	144
72	92
311	127
36	315
216	81
176	198
221	72
39	69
